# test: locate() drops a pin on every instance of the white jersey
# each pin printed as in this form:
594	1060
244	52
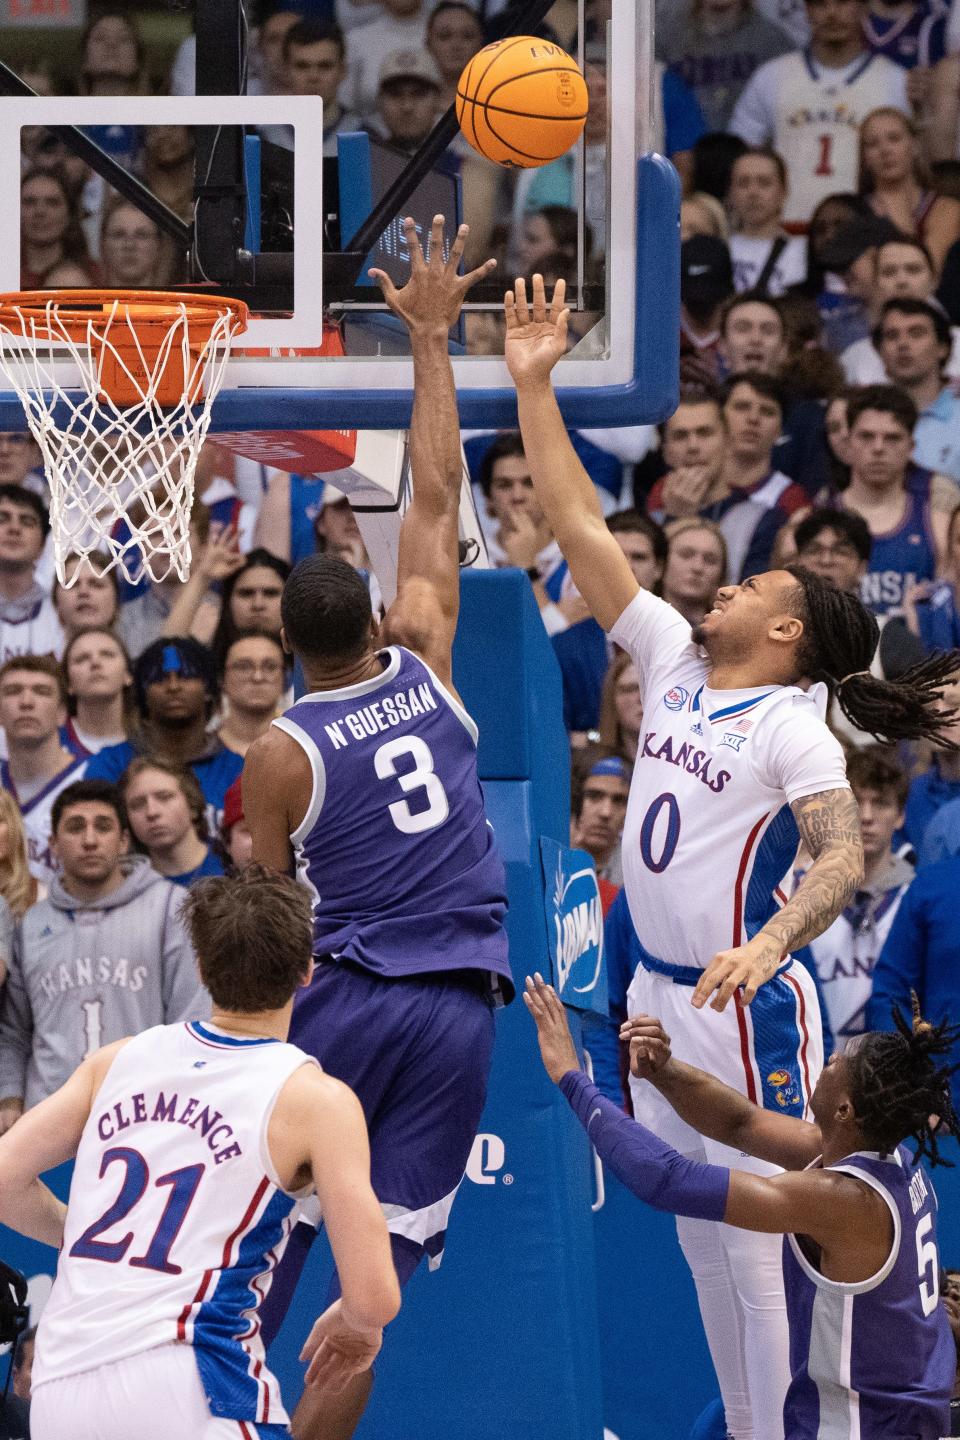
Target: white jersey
709	834
812	117
176	1217
37	813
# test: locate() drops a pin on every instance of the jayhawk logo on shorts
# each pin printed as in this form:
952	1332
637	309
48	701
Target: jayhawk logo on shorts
676	698
785	1091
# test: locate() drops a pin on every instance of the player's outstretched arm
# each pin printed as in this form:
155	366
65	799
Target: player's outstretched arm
424	614
714	1109
829	824
327	1122
838	1211
44	1137
536	339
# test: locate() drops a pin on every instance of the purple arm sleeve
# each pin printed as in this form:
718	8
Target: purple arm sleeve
652	1170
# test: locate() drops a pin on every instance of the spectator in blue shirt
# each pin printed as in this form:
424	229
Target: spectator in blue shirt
921	954
175	682
168	820
931	608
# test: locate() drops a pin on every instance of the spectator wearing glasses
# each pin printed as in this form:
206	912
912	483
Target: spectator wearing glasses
131	249
837	546
621	709
254	682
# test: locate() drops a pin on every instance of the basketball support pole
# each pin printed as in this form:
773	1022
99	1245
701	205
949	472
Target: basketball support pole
379	485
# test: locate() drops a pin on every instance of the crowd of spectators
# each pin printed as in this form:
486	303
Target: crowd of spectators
819	423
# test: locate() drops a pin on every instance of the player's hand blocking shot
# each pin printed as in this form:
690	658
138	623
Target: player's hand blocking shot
195	1144
735	765
871	1352
368	785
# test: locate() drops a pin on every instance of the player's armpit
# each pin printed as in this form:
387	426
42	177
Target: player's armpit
829	824
848	1219
276	779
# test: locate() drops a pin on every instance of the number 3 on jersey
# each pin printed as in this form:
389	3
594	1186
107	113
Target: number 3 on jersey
421	777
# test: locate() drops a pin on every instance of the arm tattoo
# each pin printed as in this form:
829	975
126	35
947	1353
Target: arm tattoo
829	824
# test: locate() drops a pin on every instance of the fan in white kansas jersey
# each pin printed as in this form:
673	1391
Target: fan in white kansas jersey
193	1144
735	763
809	104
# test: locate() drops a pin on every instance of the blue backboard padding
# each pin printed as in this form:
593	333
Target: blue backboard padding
508	677
651	395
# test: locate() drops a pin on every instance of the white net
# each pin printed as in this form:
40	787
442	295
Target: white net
120	471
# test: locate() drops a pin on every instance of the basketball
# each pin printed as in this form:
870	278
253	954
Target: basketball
521	102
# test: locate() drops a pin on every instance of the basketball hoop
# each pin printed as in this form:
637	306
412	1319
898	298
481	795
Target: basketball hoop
120	446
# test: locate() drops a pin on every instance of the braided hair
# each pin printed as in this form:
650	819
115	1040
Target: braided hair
840	640
897	1085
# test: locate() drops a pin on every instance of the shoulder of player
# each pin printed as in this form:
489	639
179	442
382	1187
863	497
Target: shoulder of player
842	1202
93	1070
271	755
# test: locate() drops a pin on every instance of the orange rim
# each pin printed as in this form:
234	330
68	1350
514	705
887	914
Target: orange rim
144	310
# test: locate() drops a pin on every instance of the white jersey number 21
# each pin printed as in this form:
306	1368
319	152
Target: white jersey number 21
421	777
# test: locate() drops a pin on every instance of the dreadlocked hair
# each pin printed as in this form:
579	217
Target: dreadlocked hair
896	1085
839	642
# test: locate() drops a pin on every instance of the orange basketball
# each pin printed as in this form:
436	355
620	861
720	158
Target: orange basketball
521	102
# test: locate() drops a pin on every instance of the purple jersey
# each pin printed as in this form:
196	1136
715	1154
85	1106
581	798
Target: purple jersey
873	1359
905	553
395	844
